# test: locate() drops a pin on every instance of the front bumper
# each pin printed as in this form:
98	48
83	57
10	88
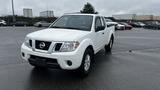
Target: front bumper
62	57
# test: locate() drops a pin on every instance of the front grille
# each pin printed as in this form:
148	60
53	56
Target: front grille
43	58
42	45
45	62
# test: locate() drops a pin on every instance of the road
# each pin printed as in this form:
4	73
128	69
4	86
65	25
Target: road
133	65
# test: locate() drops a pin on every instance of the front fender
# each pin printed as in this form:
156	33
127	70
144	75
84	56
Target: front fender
112	32
81	49
84	44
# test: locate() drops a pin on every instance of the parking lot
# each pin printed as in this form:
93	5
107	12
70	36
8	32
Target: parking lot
133	65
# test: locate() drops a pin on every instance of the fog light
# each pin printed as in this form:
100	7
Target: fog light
23	55
69	62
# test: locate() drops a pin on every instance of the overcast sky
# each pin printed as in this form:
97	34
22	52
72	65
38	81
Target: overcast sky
104	7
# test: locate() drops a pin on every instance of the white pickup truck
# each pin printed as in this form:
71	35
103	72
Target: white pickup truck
69	43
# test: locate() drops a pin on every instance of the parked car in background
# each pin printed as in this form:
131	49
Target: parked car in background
135	24
126	26
141	24
2	23
20	23
42	24
109	22
120	26
152	25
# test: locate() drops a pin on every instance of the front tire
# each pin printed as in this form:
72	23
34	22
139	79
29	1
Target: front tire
86	63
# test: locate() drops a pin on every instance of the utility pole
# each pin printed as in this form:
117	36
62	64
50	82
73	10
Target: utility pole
47	10
14	19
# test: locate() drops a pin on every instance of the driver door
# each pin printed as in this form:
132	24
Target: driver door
99	34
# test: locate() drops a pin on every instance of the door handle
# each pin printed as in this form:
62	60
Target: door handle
102	32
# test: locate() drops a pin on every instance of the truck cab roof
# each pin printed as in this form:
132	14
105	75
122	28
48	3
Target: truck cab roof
82	14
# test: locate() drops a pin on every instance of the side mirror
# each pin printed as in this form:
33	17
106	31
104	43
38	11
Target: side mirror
100	28
110	24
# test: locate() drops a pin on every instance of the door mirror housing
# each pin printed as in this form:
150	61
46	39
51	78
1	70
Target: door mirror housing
110	24
99	28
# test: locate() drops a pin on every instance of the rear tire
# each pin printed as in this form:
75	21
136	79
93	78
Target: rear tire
86	64
108	48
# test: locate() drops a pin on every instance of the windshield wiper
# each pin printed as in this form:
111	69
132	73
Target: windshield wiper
71	28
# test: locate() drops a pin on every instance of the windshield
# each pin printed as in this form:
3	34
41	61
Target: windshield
78	22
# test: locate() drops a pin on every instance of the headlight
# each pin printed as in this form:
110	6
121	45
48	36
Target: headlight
69	46
28	42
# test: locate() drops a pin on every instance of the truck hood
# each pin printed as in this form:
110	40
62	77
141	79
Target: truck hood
54	34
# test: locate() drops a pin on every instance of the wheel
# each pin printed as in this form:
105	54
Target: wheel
86	63
108	48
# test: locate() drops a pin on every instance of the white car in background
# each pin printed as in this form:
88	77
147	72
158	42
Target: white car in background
42	24
141	24
2	23
119	26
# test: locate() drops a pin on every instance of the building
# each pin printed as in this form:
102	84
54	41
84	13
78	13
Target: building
156	18
27	12
136	17
124	16
47	14
144	17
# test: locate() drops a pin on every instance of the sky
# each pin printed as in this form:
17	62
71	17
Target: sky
104	7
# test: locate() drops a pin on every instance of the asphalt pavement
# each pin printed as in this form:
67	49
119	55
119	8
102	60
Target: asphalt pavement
133	65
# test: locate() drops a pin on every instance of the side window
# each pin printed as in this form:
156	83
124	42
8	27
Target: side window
104	23
98	23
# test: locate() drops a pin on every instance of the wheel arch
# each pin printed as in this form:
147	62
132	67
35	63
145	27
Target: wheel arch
112	37
87	43
91	48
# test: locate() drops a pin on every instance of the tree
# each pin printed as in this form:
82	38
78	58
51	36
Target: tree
88	8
